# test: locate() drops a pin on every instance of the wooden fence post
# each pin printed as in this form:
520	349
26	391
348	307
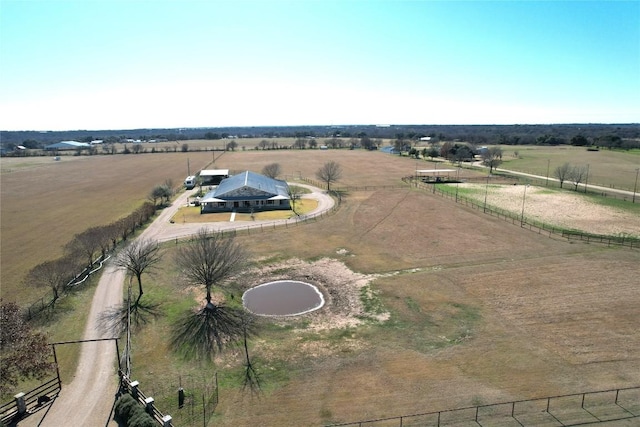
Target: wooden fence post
134	389
148	405
20	404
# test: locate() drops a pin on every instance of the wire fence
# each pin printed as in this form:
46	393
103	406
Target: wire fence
191	400
591	181
44	304
133	388
592	407
529	223
30	402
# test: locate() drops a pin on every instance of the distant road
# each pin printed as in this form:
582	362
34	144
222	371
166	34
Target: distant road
580	186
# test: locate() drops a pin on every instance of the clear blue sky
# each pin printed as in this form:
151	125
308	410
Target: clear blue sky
113	64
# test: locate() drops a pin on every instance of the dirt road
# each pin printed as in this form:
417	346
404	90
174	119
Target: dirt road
88	400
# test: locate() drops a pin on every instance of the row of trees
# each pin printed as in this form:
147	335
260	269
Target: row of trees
481	134
83	249
24	353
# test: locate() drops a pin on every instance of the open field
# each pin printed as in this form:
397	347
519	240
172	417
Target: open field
607	168
479	311
45	202
458	308
565	209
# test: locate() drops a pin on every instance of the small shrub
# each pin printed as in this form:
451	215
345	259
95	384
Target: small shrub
125	407
141	419
130	413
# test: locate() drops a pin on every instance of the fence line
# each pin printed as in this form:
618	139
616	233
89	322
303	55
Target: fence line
528	223
30	402
566	410
43	303
535	175
132	388
190	399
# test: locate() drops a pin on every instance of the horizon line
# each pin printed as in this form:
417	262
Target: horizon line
178	128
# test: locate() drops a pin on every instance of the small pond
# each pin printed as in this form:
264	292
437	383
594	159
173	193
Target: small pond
283	298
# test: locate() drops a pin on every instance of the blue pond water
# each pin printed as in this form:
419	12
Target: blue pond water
283	298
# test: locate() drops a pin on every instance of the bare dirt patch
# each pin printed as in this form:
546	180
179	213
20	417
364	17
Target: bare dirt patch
562	209
341	288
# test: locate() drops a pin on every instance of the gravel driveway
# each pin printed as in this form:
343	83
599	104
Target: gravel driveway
88	399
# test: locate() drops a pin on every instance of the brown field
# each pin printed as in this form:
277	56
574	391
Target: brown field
478	310
45	202
481	311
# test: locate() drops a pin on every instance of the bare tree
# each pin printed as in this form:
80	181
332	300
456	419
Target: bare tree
329	172
251	375
138	257
85	244
577	175
563	173
54	274
492	157
161	192
208	260
293	191
272	170
263	144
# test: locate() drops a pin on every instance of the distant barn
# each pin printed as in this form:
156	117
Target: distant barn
67	145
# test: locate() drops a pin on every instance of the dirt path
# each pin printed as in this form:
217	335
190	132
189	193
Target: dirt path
88	399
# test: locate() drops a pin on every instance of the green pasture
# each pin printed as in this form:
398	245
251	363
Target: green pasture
607	168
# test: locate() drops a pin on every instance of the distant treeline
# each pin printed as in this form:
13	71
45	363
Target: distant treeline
612	135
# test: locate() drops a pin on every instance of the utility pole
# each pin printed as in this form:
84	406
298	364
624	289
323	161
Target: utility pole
635	186
548	164
586	179
486	190
524	195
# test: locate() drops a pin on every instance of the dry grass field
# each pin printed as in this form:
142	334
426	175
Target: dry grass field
458	308
45	202
480	311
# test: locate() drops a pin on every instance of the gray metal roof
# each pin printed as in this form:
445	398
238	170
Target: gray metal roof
249	185
68	144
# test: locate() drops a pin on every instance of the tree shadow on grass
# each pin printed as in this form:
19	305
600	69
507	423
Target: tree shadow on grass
206	332
116	319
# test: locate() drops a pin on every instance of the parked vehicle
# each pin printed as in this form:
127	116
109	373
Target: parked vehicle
190	182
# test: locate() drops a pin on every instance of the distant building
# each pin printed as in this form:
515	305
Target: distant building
247	192
67	145
213	176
